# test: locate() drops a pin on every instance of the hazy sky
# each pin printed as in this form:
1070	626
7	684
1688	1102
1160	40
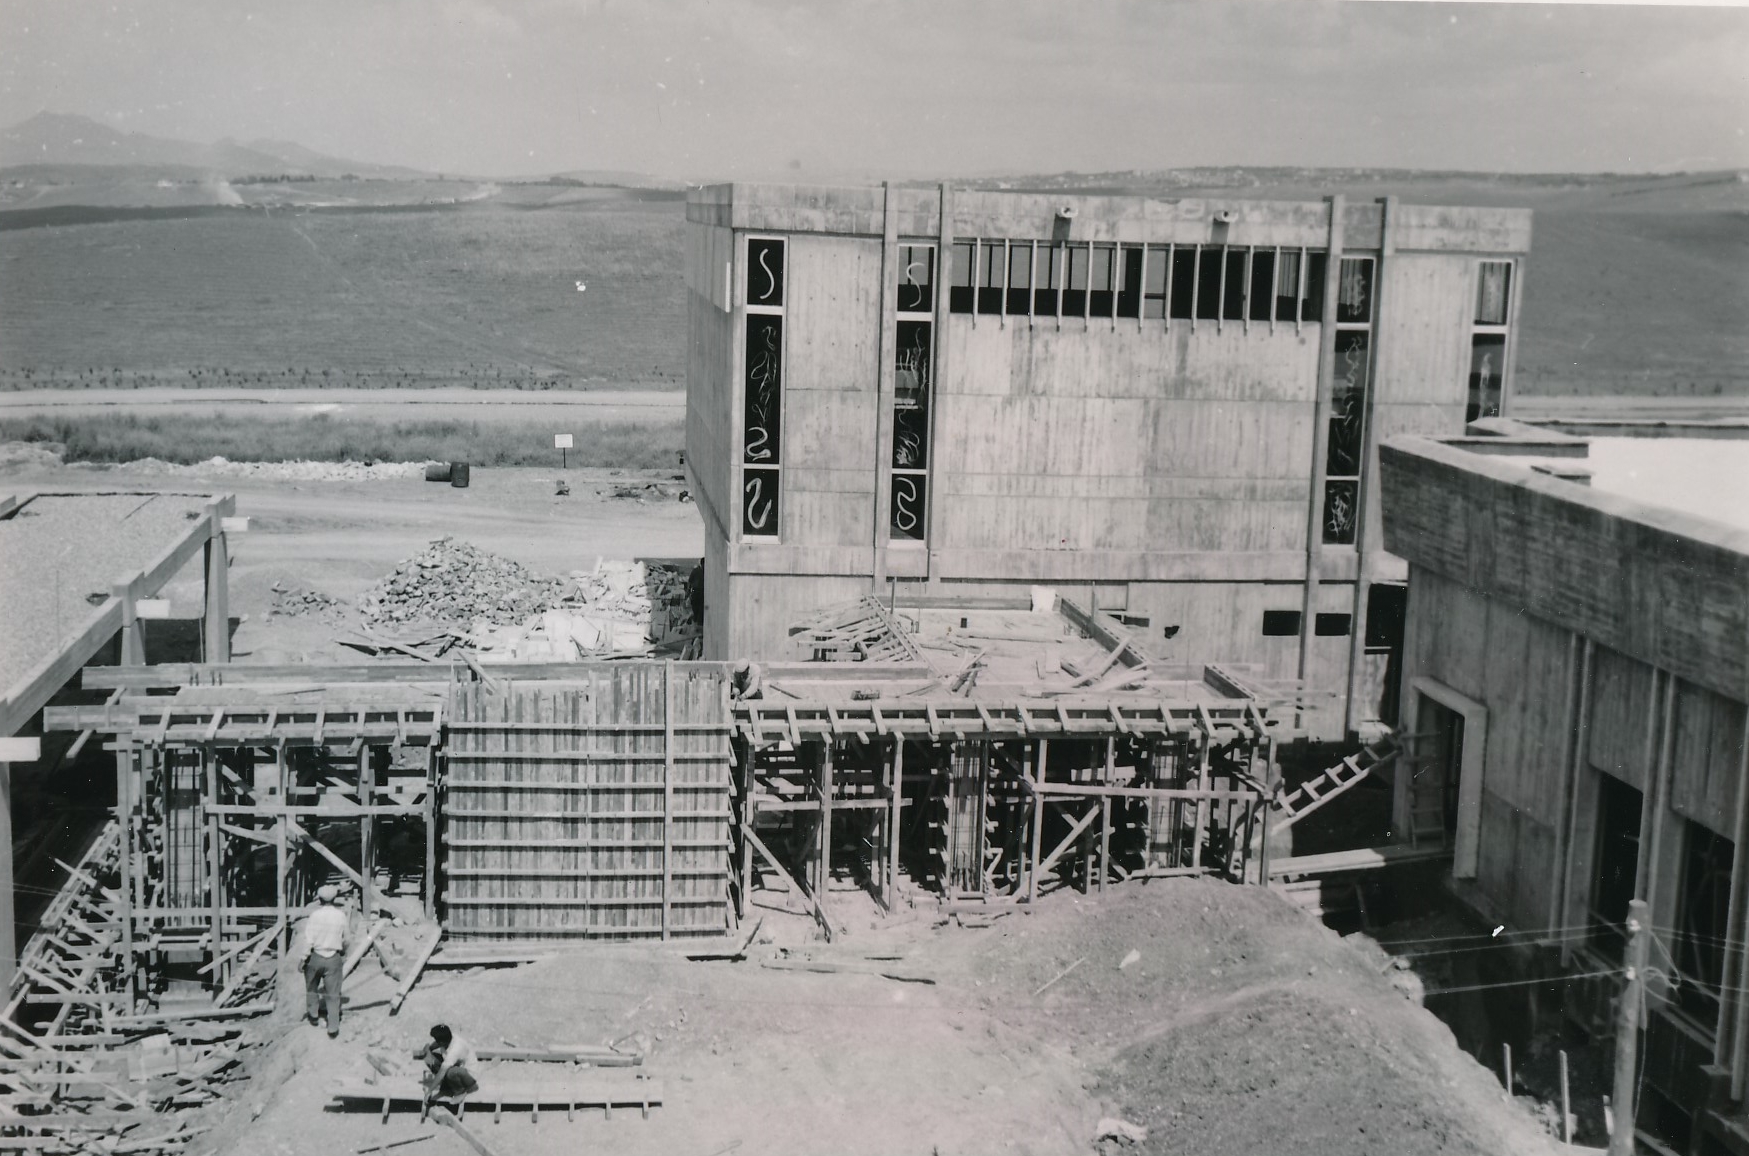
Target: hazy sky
724	88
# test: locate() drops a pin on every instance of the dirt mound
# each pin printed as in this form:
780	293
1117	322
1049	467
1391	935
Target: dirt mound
451	581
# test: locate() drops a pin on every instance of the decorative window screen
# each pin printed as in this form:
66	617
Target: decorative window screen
1344	460
914	381
762	390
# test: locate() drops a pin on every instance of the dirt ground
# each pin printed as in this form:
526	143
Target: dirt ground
1242	1027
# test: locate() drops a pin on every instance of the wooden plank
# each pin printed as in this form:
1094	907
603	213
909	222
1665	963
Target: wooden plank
448	1119
667	793
413	972
548	1092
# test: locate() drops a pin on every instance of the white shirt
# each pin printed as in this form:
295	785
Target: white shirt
460	1053
326	930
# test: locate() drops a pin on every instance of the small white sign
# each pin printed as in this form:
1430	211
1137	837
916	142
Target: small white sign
152	608
561	441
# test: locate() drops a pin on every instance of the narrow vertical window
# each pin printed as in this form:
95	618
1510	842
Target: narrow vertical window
1345	456
1047	278
1312	302
1020	277
915	292
992	257
959	289
1129	281
1154	288
1183	282
1075	295
913	380
1488	339
1287	285
762	390
1104	267
1208	283
1233	291
1262	284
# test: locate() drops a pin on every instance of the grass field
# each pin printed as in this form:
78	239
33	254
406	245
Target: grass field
322	438
483	293
1633	286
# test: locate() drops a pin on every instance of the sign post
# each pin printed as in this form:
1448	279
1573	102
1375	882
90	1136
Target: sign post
562	443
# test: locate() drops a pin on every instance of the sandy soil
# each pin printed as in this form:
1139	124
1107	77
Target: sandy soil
1243	1027
612	406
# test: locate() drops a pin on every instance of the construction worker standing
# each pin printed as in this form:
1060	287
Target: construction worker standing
323	957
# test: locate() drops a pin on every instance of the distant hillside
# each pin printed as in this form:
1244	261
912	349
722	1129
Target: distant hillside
50	138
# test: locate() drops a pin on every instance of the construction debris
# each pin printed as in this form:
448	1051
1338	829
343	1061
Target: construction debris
451	581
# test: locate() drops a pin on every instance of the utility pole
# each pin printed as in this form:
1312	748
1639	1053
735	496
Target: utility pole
1627	1028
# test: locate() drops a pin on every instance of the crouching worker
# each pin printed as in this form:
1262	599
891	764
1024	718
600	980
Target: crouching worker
449	1060
322	957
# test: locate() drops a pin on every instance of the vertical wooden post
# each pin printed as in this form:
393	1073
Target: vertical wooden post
1566	1103
8	909
825	883
133	643
749	809
124	760
667	792
1627	1028
1105	812
1202	804
210	763
279	847
431	777
218	600
1367	510
1269	774
1038	818
885	385
367	863
895	805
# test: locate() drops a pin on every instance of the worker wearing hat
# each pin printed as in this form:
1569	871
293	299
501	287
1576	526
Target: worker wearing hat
324	957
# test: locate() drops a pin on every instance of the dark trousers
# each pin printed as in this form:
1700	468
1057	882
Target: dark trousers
322	982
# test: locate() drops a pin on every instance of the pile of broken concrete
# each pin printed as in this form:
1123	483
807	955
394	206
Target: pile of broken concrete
451	581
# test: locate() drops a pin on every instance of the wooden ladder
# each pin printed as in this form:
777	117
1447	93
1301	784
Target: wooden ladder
1426	810
1320	789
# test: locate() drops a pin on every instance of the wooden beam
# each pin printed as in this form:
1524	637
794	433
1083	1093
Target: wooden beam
1076	829
414	971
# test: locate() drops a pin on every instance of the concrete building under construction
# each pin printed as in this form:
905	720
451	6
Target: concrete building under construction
1169	409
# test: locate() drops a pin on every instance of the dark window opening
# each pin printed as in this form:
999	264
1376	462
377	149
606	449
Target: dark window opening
1341	510
1183	281
759	495
1387	608
1049	267
1312	304
1104	267
1331	625
1347	404
908	505
1075	296
1233	286
764	271
762	416
1208	284
1703	912
1281	623
911	377
1134	619
916	288
959	290
1615	866
1487	370
1354	295
1019	277
992	256
1154	287
1287	286
1129	282
1262	283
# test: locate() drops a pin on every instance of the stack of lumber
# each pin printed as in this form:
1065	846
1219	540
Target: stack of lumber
859	631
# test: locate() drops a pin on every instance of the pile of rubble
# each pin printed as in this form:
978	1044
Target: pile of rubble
618	608
292	601
451	581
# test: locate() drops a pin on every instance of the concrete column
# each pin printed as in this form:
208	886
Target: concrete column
218	601
1321	430
133	643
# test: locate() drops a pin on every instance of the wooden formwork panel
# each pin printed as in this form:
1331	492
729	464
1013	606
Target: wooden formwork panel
595	807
